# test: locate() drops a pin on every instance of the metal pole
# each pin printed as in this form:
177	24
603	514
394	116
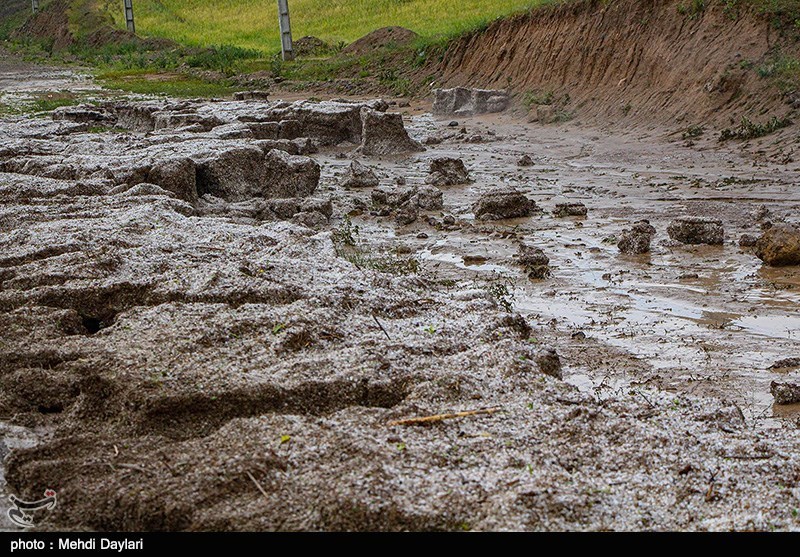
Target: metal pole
129	16
286	30
35	5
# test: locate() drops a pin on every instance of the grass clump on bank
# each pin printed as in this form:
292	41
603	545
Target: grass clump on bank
748	129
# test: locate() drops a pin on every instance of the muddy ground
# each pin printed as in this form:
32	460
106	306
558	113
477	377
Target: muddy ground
170	361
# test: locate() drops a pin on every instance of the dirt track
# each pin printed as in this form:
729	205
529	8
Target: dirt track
174	356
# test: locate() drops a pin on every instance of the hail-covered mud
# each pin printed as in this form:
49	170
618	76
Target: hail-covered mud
218	315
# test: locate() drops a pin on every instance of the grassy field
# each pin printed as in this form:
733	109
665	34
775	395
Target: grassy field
254	23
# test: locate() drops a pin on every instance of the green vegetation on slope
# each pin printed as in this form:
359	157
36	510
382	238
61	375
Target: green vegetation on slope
254	23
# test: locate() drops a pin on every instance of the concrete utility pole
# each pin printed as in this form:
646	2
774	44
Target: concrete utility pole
286	30
35	5
129	16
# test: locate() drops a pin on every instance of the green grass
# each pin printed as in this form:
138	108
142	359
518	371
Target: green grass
164	84
782	70
253	23
42	103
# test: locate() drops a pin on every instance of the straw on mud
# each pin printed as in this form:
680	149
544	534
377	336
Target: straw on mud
381	326
258	485
423	420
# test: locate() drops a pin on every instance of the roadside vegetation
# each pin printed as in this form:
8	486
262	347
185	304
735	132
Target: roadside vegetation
209	48
253	24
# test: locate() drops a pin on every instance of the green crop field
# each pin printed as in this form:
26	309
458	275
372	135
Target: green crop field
254	23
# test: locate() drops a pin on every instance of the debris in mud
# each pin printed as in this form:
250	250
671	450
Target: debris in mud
786	363
779	245
407	201
305	211
407	213
573	209
446	171
747	240
359	176
637	239
429	198
461	101
384	134
503	203
785	393
536	263
696	230
762	213
549	362
525	160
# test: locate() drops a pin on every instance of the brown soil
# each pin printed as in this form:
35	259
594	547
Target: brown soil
627	62
51	26
380	38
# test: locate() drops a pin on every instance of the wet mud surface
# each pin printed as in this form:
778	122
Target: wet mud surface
203	329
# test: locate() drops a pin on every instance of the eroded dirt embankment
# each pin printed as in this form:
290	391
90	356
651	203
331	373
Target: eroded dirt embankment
629	61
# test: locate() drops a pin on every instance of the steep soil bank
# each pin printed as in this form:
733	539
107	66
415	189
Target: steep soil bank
629	61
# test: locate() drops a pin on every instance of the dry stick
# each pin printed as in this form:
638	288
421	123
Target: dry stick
441	417
133	467
381	326
258	485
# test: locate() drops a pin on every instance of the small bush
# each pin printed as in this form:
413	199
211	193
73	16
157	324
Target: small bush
533	98
750	130
693	132
224	58
692	9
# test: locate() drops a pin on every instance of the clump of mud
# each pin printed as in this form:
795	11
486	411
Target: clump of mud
380	38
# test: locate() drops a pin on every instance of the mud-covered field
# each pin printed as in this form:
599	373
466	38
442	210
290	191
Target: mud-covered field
266	315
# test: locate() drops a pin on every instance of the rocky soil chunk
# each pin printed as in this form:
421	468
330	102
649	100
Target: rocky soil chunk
461	101
406	201
785	393
503	203
573	209
359	176
549	362
779	245
525	160
178	175
446	171
747	240
696	230
636	239
536	263
384	134
246	172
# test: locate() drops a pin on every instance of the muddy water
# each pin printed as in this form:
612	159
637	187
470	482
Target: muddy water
702	319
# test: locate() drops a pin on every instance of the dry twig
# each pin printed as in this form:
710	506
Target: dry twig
424	420
258	485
